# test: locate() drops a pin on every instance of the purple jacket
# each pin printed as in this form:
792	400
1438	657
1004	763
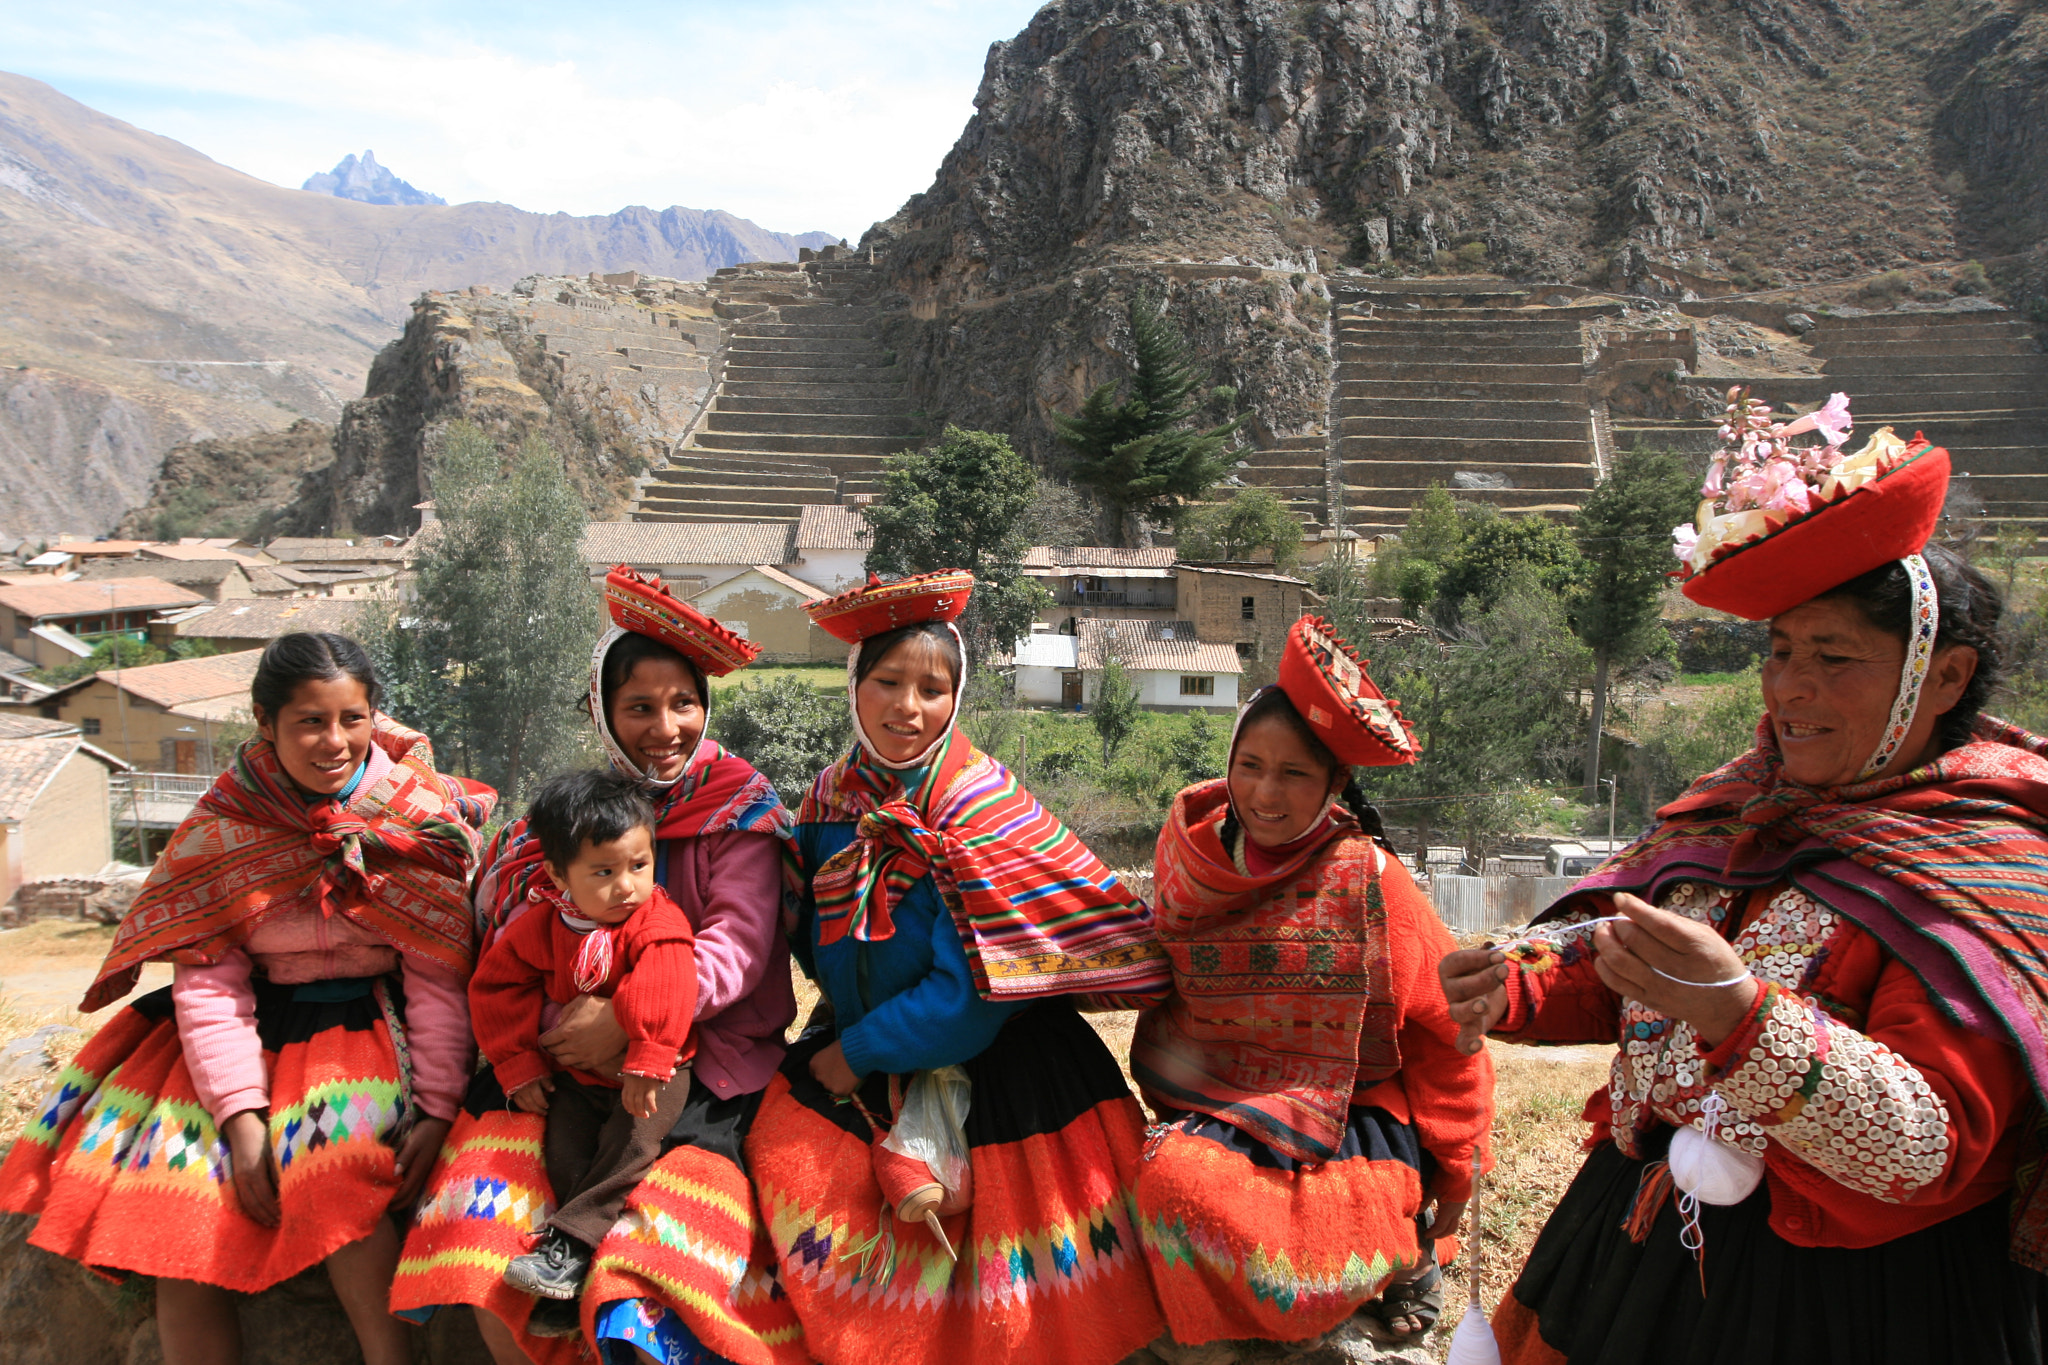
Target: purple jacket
730	886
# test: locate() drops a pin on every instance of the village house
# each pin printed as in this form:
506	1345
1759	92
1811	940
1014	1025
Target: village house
1102	582
86	551
1173	668
1246	608
766	606
1048	665
255	622
217	580
688	556
152	717
207	549
831	547
57	622
56	807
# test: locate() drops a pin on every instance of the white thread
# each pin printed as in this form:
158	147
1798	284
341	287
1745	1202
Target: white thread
1703	985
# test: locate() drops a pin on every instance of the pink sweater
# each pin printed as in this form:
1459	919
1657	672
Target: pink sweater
730	888
216	1006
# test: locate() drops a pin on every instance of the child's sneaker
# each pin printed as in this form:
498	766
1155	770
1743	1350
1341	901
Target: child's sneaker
555	1318
552	1270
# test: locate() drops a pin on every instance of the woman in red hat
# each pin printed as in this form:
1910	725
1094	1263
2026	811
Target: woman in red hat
1314	1101
1826	965
685	1274
951	923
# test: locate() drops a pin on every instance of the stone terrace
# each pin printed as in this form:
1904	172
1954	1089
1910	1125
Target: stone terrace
807	406
1464	385
1973	381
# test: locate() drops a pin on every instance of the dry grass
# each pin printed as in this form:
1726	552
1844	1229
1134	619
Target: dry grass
21	1095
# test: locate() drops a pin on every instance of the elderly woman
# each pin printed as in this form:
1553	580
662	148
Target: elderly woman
950	921
654	1291
1825	966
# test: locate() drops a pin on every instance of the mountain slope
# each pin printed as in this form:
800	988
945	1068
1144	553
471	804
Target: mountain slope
149	295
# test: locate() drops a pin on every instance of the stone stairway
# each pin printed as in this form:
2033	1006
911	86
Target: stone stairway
807	407
1294	467
1489	401
1974	382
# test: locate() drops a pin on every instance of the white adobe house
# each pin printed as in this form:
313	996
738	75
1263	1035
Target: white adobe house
1174	670
1048	670
830	547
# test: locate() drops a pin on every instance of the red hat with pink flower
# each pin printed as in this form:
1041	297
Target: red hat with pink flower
1781	523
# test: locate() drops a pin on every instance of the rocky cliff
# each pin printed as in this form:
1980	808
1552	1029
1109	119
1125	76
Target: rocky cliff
366	182
150	296
1661	146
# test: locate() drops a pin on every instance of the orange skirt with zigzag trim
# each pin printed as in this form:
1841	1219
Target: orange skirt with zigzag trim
127	1171
1050	1269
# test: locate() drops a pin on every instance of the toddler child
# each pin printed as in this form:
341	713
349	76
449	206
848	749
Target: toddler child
607	930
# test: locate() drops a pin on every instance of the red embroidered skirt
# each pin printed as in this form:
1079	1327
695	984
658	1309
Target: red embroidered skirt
1049	1268
128	1173
1245	1243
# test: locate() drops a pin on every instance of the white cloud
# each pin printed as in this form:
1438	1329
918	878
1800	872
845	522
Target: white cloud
799	117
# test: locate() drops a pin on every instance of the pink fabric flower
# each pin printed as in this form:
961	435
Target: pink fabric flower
1683	540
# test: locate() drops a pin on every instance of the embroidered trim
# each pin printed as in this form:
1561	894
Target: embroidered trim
1920	632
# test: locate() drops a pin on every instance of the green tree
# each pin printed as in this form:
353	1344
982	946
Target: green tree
1683	742
1254	519
1624	536
1059	515
1194	750
1494	547
964	503
787	728
1412	567
500	645
1148	454
1115	712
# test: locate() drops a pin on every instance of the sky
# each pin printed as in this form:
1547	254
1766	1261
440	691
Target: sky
800	115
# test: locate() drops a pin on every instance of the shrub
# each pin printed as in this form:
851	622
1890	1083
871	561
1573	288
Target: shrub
785	727
1970	279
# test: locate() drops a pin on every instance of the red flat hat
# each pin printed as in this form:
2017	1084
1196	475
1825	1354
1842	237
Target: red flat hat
1885	519
876	606
638	602
1327	682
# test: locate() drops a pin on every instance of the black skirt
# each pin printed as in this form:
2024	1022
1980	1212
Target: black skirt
1945	1293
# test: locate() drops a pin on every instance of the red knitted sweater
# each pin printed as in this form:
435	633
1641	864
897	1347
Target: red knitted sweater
652	986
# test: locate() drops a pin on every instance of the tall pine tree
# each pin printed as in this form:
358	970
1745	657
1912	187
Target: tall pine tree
1147	455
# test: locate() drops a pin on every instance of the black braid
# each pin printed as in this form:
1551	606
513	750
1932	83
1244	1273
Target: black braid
1368	814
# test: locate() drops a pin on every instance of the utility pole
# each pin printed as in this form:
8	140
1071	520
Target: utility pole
1613	793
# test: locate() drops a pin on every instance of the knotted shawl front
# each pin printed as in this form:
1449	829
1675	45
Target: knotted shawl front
1946	865
396	861
1038	913
1283	1004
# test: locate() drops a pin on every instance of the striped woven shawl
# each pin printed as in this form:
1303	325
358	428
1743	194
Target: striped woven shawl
395	860
1039	915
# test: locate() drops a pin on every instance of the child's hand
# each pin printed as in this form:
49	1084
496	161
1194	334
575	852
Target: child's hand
254	1164
415	1158
640	1094
533	1096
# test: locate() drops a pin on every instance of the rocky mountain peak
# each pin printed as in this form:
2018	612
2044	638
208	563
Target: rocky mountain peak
366	182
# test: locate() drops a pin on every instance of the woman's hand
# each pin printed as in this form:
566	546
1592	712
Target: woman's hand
1474	984
416	1157
829	1069
588	1037
1689	955
254	1164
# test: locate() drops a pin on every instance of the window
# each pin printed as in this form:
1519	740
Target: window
89	725
1193	686
1247	649
1248	608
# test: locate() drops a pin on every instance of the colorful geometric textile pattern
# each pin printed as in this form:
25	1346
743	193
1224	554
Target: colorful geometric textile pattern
1038	913
1966	834
639	603
396	860
1243	1247
719	792
1922	628
128	1173
692	1238
488	1201
1283	999
875	606
1328	684
1049	1268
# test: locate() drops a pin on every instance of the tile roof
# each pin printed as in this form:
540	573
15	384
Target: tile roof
26	767
187	680
266	618
17	726
606	543
14	663
184	572
98	547
205	550
831	528
811	591
1095	557
1169	646
1242	573
83	599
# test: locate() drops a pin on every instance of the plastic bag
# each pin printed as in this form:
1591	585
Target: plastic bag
932	1125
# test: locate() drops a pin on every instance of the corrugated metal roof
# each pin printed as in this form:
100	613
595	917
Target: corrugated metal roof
1044	649
652	542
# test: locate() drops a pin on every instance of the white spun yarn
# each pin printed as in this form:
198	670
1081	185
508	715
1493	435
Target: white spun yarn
1473	1343
1712	1171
